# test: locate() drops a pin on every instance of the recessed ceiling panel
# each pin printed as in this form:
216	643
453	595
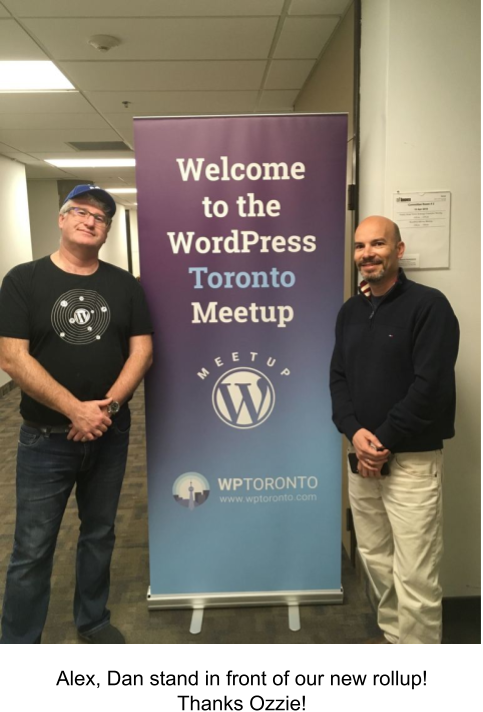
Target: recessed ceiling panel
318	7
16	45
288	74
53	140
45	103
277	101
304	37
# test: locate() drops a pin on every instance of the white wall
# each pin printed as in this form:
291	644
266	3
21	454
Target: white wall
133	224
420	130
43	199
15	246
115	249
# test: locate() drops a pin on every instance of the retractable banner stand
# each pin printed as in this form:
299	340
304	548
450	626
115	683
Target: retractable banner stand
241	224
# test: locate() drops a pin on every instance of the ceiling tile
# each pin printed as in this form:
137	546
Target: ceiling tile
53	140
128	135
3	12
103	174
5	150
163	103
181	38
45	103
19	156
288	73
119	182
15	44
26	158
304	37
319	7
152	76
277	101
42	171
52	121
142	8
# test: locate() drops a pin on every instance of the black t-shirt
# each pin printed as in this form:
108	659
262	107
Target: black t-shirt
78	326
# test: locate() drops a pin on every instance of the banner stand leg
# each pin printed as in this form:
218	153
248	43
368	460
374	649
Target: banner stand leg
196	621
294	616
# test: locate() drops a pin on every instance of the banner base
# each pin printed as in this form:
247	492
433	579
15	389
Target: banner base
159	601
196	621
294	617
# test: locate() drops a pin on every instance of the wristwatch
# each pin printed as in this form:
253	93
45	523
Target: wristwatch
113	408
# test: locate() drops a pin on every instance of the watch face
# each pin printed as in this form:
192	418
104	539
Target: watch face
114	408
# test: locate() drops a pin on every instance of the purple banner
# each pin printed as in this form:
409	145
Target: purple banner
241	224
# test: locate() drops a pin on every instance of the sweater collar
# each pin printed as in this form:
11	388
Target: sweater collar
365	288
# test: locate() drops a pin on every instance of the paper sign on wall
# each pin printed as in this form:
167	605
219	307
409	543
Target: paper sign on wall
424	221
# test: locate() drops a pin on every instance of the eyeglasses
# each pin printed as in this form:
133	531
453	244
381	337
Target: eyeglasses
83	214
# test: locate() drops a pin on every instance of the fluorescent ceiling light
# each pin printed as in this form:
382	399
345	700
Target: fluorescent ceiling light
32	77
92	162
121	190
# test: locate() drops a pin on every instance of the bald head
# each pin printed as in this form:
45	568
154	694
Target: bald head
379	225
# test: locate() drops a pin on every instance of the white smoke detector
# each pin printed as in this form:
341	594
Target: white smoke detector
103	43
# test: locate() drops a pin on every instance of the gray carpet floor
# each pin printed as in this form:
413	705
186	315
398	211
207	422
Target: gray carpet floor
351	622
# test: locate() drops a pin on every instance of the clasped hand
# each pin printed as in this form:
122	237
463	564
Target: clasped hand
89	420
370	452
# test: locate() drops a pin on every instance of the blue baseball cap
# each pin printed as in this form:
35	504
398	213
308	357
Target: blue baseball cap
97	192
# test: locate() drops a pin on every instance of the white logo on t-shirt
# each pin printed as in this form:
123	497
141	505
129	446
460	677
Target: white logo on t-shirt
80	316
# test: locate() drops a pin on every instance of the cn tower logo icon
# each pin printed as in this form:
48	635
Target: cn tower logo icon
191	490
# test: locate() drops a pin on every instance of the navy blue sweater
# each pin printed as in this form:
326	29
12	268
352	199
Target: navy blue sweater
392	369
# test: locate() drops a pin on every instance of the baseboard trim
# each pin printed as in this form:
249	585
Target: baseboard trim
6	388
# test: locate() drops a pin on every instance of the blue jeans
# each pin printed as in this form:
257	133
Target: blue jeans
48	466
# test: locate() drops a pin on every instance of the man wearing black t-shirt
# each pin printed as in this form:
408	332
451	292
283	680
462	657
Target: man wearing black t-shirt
75	335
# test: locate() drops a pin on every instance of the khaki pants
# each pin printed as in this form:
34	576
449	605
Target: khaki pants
398	523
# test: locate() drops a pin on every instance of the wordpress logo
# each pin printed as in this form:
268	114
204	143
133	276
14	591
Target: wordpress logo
191	489
243	398
82	316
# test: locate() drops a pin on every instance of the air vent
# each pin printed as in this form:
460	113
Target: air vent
98	145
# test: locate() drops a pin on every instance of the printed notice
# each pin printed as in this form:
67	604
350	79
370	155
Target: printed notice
424	221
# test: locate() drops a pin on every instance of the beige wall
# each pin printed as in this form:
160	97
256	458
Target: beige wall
115	248
15	246
43	210
330	89
420	131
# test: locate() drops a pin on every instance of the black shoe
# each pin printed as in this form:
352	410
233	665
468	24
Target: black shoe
108	634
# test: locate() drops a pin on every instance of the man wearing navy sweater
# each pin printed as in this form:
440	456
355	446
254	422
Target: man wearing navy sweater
393	396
